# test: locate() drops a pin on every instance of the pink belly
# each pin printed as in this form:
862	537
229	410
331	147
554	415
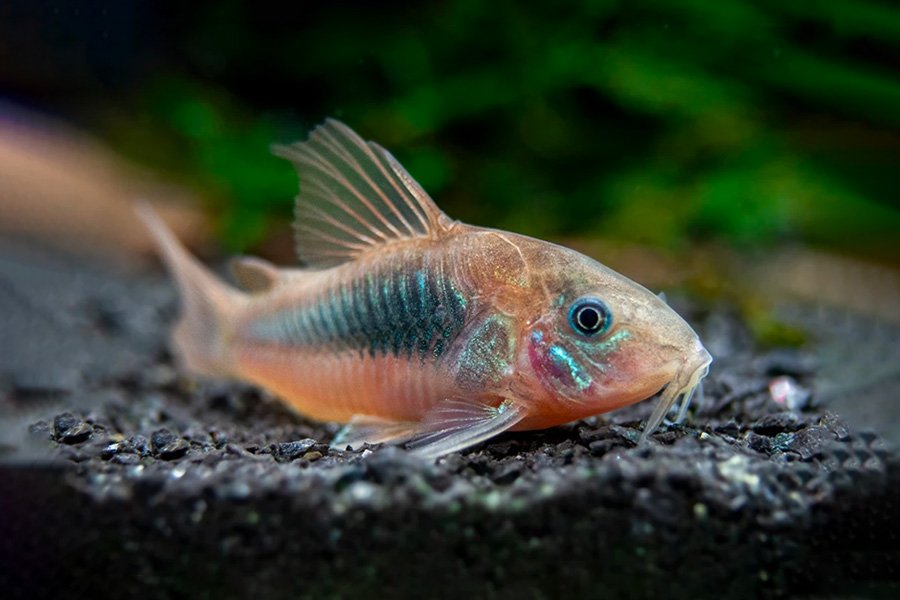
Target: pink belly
334	387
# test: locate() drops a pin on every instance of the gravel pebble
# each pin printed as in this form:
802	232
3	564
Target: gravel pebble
161	485
288	451
168	446
70	429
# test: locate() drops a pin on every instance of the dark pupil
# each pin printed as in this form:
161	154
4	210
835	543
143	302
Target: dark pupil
588	318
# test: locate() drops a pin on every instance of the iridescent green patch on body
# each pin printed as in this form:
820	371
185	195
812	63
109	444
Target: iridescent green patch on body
488	354
565	363
600	348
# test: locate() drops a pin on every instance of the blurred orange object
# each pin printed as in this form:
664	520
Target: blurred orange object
61	186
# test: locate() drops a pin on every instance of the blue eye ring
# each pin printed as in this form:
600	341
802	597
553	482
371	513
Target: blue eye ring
590	316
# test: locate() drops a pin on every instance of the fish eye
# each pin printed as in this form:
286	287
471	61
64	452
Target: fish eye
589	316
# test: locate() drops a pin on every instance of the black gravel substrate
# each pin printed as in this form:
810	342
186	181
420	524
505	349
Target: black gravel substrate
122	478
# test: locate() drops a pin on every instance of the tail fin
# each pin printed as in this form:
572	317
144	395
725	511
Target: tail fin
207	304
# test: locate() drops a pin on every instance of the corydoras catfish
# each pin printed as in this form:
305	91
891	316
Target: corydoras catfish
412	327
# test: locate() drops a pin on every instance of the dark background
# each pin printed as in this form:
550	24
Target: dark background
768	131
664	123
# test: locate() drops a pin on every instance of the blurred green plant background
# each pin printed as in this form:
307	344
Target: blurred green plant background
665	123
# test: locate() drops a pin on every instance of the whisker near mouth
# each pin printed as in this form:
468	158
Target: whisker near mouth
663	405
682	386
686	402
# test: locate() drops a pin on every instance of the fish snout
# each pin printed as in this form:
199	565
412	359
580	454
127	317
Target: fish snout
696	365
692	369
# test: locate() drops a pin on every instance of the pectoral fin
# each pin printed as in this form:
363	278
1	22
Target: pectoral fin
365	429
455	424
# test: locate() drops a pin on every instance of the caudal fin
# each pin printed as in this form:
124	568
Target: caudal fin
207	304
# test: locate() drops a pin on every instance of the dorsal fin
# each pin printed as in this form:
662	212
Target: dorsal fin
354	197
254	274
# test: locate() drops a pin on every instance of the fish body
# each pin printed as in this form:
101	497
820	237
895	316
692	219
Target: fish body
410	326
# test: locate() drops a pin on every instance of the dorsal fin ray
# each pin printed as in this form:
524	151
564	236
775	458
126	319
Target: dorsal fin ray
354	196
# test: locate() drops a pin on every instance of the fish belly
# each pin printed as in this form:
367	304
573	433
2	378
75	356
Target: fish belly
335	387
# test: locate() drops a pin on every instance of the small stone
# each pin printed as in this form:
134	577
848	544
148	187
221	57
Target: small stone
504	448
667	437
126	459
837	426
628	434
601	447
137	444
507	473
810	441
782	422
161	438
591	434
783	442
760	443
167	446
731	429
110	451
288	451
235	450
70	429
219	438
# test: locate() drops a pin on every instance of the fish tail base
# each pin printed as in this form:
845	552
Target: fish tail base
208	305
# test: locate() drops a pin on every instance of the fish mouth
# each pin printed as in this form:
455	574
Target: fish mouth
685	383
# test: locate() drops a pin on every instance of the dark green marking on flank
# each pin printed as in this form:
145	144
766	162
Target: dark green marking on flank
401	313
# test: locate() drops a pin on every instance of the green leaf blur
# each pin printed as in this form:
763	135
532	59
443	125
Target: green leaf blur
666	123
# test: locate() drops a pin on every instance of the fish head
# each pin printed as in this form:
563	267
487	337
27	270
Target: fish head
593	340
